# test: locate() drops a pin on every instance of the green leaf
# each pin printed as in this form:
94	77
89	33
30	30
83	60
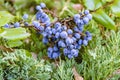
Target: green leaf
101	17
15	34
115	7
14	43
5	17
92	4
19	4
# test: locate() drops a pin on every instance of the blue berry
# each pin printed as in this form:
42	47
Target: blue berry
57	35
69	41
55	55
71	46
7	26
85	20
39	14
42	5
70	56
53	31
86	12
74	52
45	40
78	21
65	51
85	42
74	39
64	28
69	31
89	16
55	48
76	16
17	24
80	42
26	23
50	49
77	35
49	54
48	29
58	24
25	16
44	34
48	23
88	33
89	38
63	34
76	29
41	28
38	8
61	44
36	24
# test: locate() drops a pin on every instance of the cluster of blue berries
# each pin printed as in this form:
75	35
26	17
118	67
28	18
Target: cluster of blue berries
60	37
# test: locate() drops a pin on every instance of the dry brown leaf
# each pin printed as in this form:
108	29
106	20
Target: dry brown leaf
6	49
76	75
78	7
34	55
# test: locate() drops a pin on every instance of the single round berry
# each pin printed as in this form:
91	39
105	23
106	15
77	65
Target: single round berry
64	28
57	25
85	42
80	42
25	16
89	16
74	52
36	24
55	48
26	23
63	34
45	40
17	24
85	20
69	41
70	56
38	7
77	35
50	49
69	31
76	16
42	5
61	44
7	26
86	12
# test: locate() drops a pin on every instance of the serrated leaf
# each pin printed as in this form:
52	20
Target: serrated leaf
115	7
92	4
15	34
101	17
14	43
5	17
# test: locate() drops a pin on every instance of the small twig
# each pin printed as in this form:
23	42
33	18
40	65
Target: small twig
50	12
6	49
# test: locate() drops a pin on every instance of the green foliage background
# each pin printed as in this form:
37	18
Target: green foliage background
98	61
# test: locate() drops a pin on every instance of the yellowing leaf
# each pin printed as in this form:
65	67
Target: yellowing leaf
5	17
15	34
